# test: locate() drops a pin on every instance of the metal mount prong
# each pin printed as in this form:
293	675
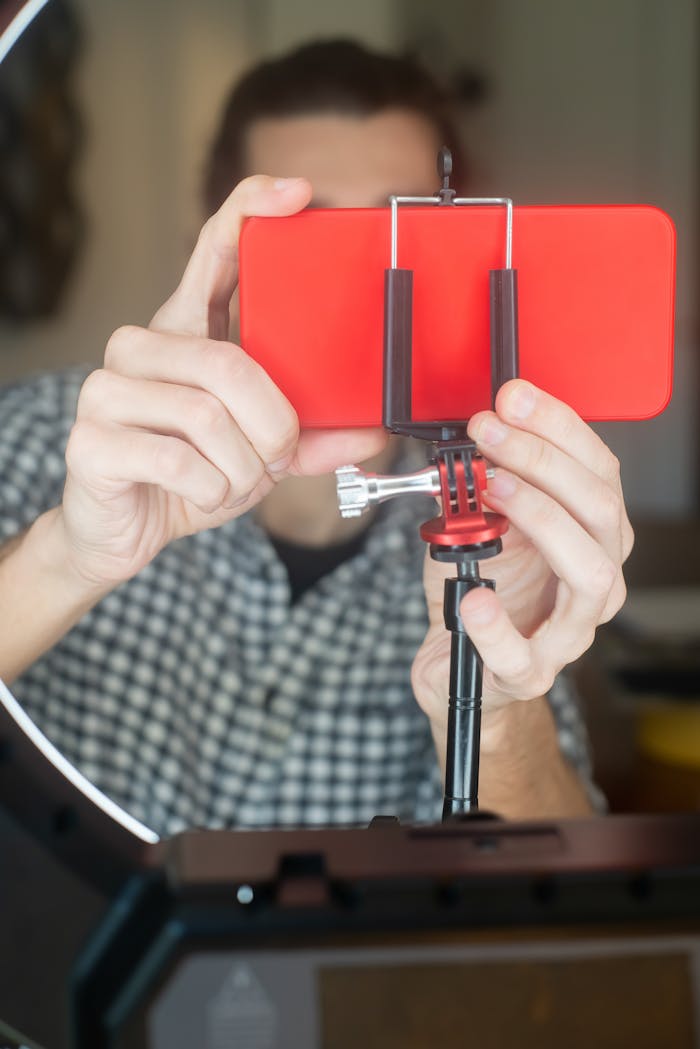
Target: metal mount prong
357	491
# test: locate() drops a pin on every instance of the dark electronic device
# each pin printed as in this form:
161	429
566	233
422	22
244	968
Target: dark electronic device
382	936
536	934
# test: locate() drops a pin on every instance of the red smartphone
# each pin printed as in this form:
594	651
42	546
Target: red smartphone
595	303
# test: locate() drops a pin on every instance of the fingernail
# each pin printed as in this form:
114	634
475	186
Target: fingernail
491	431
521	401
286	183
502	485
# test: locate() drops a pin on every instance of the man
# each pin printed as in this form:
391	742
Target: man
190	619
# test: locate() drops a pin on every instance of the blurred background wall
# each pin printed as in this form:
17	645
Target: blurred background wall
583	103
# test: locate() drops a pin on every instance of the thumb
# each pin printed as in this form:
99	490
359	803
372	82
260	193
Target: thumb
200	304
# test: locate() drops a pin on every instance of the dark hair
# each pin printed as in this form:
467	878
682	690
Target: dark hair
337	76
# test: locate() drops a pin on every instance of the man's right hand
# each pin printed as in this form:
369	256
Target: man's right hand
178	432
181	431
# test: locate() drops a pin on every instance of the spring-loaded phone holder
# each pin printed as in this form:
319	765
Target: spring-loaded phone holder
463	534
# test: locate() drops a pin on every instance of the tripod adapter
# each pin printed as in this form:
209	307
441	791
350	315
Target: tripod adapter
462	535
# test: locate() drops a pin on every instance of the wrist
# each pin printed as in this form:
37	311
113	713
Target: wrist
42	595
524	774
507	729
47	553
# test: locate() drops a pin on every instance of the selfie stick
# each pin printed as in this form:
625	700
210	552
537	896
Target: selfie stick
463	534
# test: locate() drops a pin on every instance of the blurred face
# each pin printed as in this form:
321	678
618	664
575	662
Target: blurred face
351	161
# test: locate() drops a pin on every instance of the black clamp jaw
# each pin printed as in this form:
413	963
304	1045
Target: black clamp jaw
463	534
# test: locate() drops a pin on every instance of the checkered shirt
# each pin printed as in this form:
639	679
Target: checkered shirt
196	694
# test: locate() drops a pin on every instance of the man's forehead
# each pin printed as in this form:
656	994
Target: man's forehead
351	160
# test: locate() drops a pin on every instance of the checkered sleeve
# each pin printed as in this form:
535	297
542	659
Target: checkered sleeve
36	416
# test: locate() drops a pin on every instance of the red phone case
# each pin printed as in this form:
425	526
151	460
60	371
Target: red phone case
595	300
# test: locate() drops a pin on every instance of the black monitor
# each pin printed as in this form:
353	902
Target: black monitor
521	934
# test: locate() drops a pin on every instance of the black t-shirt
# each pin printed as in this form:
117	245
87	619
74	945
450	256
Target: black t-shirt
307	564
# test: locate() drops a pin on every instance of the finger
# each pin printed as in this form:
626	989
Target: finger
321	451
110	458
224	370
573	554
430	672
200	304
523	405
507	656
596	504
193	415
518	667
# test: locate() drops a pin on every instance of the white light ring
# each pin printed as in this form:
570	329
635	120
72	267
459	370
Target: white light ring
18	23
70	772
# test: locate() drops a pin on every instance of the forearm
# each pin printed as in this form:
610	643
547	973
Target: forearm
523	773
41	597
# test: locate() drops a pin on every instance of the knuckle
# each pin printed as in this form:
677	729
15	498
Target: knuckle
250	187
601	579
83	448
249	478
517	674
207	413
205	231
615	601
584	640
609	508
120	343
627	539
170	459
78	440
539	457
619	593
541	680
285	437
94	391
225	362
214	498
567	425
614	468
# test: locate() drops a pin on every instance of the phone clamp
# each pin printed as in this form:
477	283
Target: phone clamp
397	409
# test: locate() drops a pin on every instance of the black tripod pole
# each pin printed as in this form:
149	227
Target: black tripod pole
464	712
